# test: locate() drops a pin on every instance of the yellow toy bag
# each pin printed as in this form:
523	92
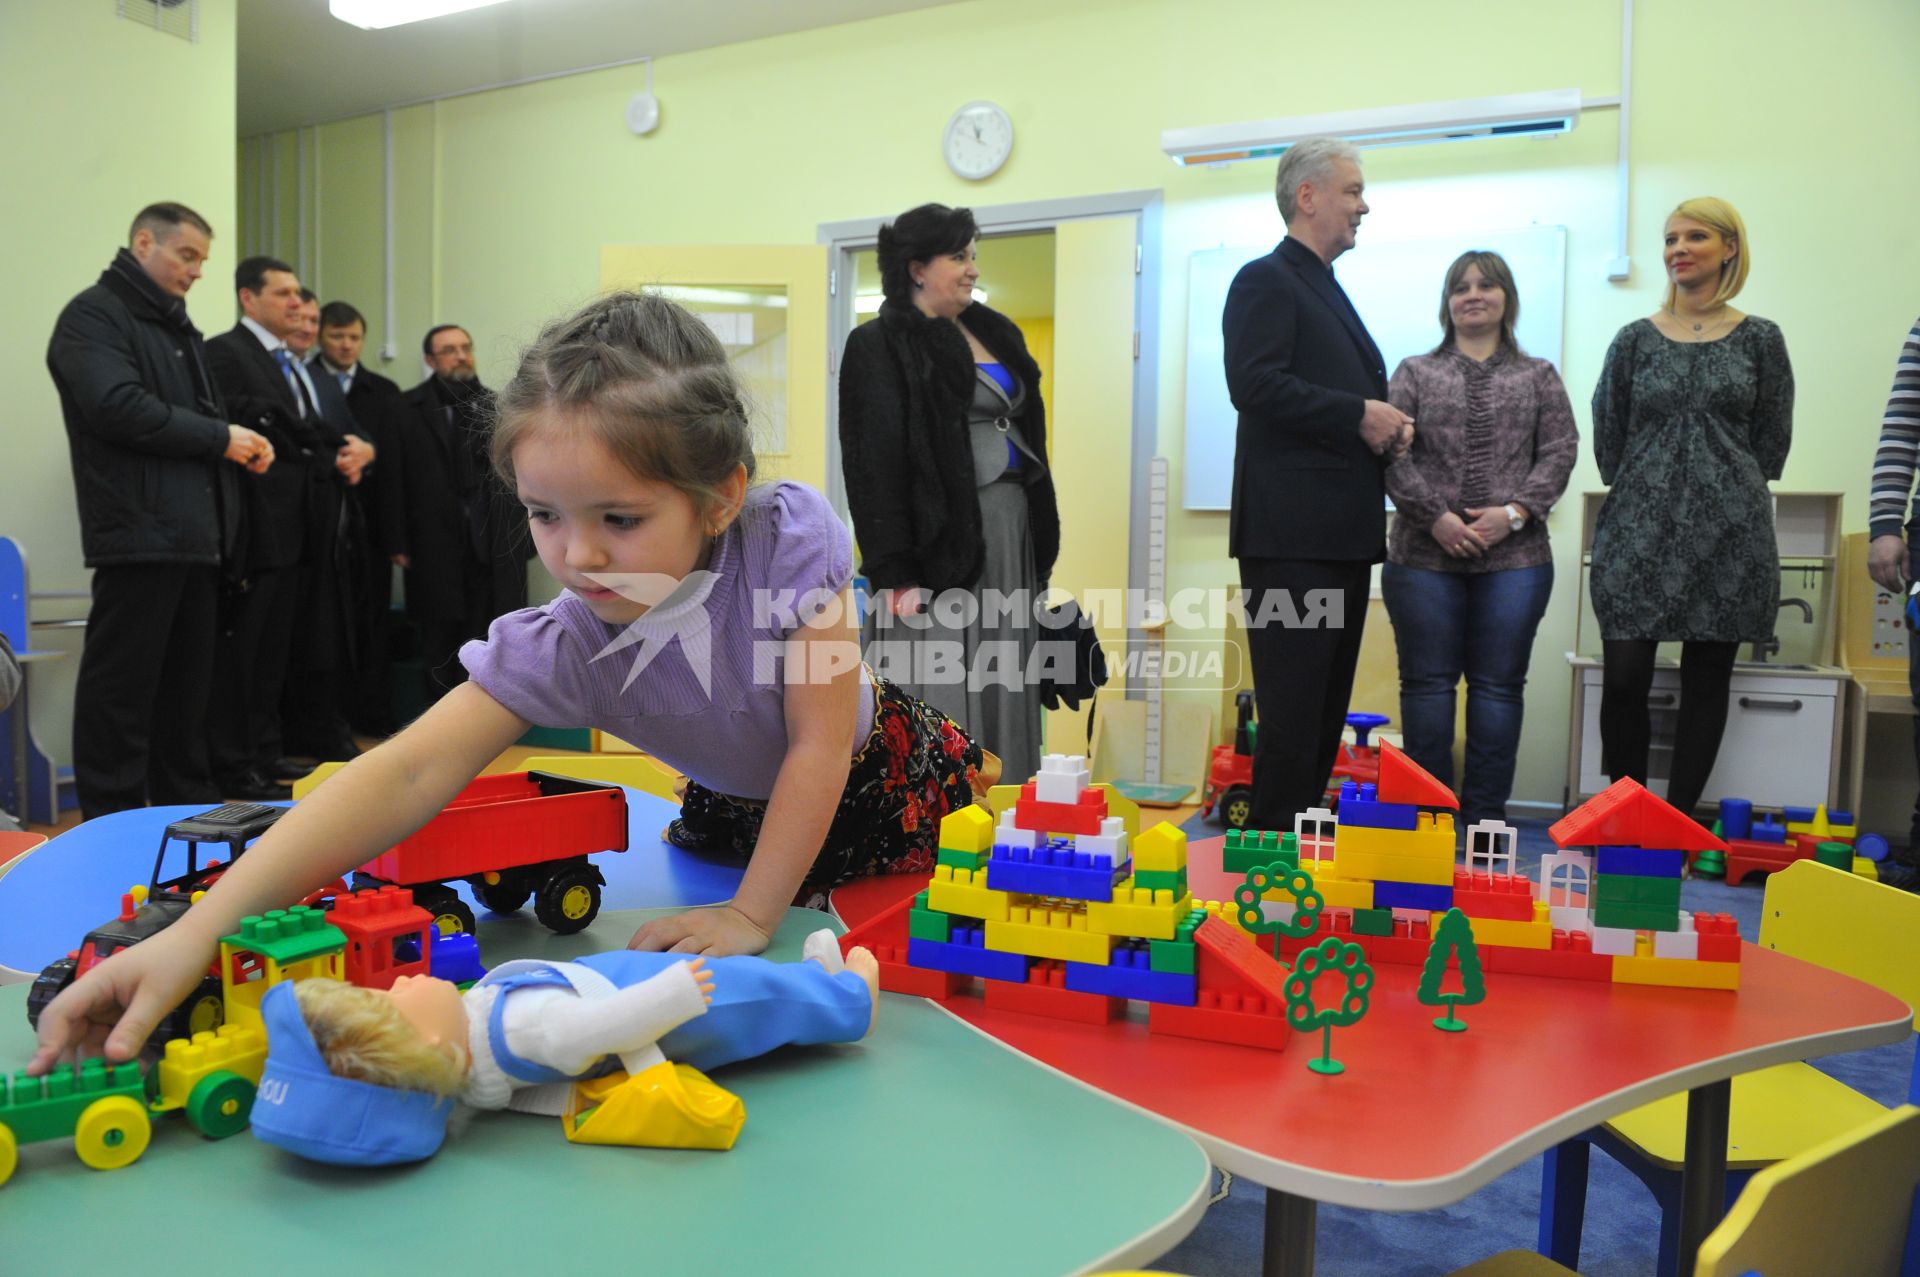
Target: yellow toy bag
664	1105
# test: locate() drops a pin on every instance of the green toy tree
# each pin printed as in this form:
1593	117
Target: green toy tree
1454	936
1350	962
1291	879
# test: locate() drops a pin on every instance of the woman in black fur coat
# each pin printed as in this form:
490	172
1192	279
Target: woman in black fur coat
944	443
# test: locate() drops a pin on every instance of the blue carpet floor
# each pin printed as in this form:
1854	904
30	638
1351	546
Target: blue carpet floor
1622	1224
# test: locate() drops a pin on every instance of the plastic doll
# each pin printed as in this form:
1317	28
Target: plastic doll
367	1077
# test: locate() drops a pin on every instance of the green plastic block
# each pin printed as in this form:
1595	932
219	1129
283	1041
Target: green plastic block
1373	922
974	860
1174	880
1256	849
929	924
1636	917
288	935
1170	955
1632	889
46	1108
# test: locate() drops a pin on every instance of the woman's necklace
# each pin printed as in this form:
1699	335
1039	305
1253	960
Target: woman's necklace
1698	333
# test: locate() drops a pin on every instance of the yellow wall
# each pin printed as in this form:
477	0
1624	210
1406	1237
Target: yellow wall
1808	125
103	117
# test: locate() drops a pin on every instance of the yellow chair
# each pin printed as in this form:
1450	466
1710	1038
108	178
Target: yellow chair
1813	912
1843	1208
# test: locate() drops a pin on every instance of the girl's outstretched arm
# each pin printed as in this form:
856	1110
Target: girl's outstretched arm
822	712
368	806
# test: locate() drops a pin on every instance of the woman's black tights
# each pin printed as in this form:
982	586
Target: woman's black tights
1626	729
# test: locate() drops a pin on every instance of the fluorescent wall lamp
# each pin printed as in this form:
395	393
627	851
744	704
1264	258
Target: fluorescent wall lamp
373	15
1515	115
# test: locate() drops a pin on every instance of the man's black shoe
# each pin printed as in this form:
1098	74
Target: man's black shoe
254	787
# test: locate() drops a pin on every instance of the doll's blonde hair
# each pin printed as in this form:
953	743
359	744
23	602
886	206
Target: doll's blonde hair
362	1036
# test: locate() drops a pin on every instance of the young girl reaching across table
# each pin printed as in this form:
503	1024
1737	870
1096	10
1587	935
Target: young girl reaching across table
705	620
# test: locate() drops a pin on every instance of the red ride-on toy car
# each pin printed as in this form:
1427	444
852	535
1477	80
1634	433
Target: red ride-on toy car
1230	775
144	912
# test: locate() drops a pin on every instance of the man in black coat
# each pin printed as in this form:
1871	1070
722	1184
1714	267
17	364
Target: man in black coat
265	387
455	530
378	410
156	471
1309	495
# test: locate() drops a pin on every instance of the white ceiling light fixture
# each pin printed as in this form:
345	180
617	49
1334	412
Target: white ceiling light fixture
1514	115
375	15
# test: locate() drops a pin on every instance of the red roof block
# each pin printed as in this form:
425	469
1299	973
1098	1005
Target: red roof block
1627	814
1404	781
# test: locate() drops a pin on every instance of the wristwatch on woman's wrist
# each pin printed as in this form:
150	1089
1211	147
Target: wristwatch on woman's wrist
1515	518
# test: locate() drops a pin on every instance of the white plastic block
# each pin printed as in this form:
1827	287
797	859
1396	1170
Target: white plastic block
1007	835
1110	841
1615	942
1062	778
1677	944
1570	918
1492	846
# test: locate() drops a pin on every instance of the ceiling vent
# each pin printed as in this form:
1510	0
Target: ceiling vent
169	17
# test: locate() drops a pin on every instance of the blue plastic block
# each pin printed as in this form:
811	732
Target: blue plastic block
1641	862
1412	895
1359	806
1736	818
1054	868
454	957
1764	830
1798	815
1130	976
967	958
1840	819
1872	846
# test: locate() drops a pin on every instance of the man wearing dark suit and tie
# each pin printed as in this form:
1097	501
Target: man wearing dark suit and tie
1309	497
263	386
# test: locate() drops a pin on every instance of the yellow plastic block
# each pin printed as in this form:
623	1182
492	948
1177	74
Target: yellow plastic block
969	829
1151	915
1162	849
1678	973
234	1048
1510	932
1849	832
305	785
1866	868
965	892
1339	893
1020	934
1424	854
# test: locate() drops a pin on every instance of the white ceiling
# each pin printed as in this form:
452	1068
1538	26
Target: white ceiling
300	65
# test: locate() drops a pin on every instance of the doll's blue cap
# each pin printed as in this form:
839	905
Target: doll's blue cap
305	1109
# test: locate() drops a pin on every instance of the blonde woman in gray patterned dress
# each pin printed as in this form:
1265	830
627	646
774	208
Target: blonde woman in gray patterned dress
1692	417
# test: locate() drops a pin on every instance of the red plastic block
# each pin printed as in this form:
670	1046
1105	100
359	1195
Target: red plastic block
1083	817
1571	958
371	921
1212	1022
1491	895
1719	937
1627	814
1746	856
1045	993
1404	781
886	935
1226	964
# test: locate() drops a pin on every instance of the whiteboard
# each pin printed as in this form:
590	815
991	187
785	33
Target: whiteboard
1396	288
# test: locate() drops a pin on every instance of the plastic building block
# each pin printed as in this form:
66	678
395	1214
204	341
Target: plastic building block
1765	830
1230	965
1129	975
1673	974
1804	815
1252	849
1627	814
968	829
1111	841
1046	993
885	934
1050	933
1424	854
240	1049
1135	911
373	925
961	859
288	935
1084	816
1837	854
1413	895
927	924
1491	895
1736	817
1361	805
1614	942
1871	846
1633	889
1214	1018
1176	955
1719	937
1161	849
1682	944
454	957
1571	958
1637	917
1646	862
1536	933
1346	961
1404	781
1453	939
1010	834
1340	893
1054	869
1161	880
967	954
958	891
1062	778
1372	922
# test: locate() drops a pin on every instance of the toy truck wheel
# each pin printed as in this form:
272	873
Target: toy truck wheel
504	896
9	1153
450	913
568	901
220	1104
1236	808
112	1133
46	987
202	1012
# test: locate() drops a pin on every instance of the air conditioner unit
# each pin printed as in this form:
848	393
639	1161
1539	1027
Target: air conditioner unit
1514	115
